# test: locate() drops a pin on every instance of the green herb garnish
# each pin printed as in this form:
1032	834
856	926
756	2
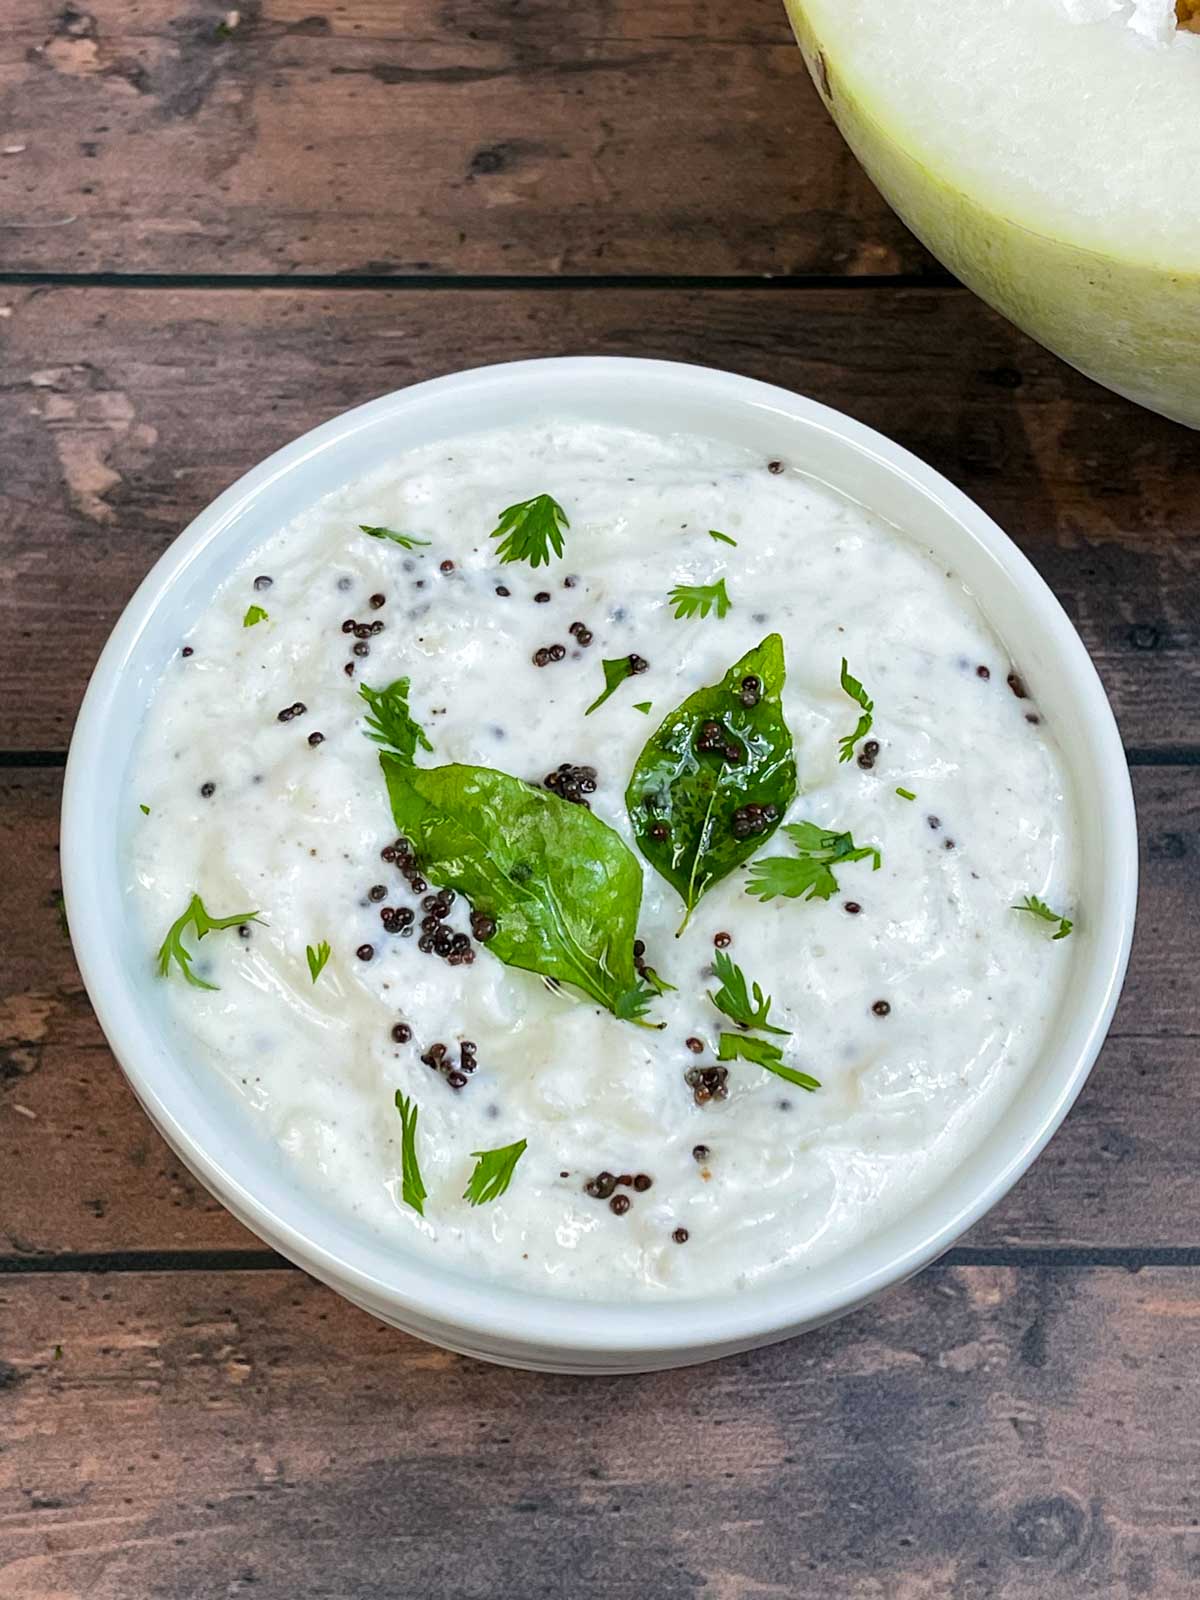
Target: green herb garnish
412	1189
659	985
389	721
810	875
562	887
145	810
530	530
615	673
682	799
906	794
493	1172
733	997
723	537
254	614
764	1054
174	949
317	958
407	541
643	706
698	599
855	690
1039	908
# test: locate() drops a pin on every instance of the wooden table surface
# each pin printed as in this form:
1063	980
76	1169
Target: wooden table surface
213	235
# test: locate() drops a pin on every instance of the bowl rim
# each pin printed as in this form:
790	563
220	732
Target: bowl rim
415	1291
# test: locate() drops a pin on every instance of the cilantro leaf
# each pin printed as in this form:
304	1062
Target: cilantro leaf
530	530
254	614
1039	908
389	721
733	997
698	599
493	1172
412	1188
723	537
406	541
855	690
764	1054
643	706
145	810
562	887
196	917
615	673
659	985
685	791
809	875
317	958
632	1004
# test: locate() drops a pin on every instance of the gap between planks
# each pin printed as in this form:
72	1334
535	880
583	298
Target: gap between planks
1045	1258
933	279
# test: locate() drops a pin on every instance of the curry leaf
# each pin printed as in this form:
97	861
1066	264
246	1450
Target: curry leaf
389	721
561	886
689	781
764	1054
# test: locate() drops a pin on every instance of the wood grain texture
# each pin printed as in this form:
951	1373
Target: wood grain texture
982	1434
83	1170
432	137
124	412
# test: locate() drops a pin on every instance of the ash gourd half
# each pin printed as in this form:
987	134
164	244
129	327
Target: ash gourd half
1047	151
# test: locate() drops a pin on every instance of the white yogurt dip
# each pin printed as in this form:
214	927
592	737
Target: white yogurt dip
916	995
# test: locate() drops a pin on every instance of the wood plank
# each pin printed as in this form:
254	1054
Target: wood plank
124	412
985	1433
614	136
84	1171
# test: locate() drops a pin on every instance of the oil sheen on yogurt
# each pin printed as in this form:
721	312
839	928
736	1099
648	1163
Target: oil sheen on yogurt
916	995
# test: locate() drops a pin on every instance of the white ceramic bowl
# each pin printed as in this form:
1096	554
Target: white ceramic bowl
208	1129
